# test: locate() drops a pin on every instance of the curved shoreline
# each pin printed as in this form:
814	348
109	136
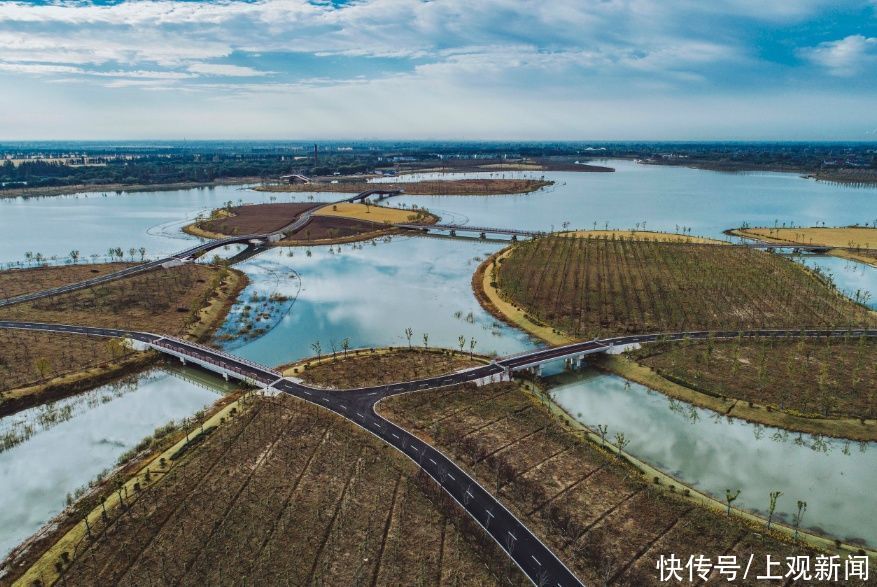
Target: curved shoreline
845	428
667	482
491	300
211	316
851	254
381	231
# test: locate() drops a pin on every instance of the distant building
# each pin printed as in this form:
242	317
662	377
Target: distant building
295	178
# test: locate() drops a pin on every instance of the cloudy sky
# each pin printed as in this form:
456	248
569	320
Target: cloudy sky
439	69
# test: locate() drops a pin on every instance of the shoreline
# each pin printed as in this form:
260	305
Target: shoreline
381	230
69	190
667	483
212	314
439	187
491	300
847	428
832	250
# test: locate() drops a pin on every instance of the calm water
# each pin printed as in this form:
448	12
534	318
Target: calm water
714	453
663	197
92	222
70	442
371	293
856	280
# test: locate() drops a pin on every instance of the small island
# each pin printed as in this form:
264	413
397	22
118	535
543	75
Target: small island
324	223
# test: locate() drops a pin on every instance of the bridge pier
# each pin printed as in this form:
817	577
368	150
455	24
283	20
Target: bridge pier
574	363
496	378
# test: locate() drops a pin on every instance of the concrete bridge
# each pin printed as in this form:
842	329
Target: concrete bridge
357	405
482	231
254	243
363	196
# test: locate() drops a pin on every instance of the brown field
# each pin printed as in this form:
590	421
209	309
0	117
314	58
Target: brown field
455	187
287	493
852	237
253	219
824	377
590	287
165	300
380	367
370	213
333	228
48	365
188	300
643	235
14	282
594	510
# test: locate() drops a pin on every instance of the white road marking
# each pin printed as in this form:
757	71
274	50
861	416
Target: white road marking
451	477
395	435
432	461
536	559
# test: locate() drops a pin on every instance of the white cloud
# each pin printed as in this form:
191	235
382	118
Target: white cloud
223	69
846	57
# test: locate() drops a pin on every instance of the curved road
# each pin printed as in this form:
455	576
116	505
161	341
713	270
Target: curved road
357	405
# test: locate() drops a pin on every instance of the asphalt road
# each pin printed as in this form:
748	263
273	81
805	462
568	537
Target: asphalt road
533	557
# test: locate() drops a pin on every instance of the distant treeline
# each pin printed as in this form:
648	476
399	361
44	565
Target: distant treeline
204	162
167	169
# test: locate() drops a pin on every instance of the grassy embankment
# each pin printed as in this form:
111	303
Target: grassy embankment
361	367
596	510
190	300
562	289
332	224
451	187
857	243
277	490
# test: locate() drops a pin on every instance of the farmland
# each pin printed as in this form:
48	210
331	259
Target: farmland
14	282
187	300
455	187
283	491
255	219
824	377
343	222
586	287
605	521
380	367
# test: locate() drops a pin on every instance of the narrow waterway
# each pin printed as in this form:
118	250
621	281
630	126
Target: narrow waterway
713	453
858	281
57	449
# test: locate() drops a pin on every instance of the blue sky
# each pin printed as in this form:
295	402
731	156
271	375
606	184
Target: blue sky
440	69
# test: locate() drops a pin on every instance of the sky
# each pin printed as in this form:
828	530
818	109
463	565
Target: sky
439	69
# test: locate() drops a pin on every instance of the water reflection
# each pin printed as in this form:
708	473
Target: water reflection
665	198
370	293
712	453
856	280
83	438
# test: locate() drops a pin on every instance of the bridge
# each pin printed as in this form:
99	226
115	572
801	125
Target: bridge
357	405
254	243
483	231
362	196
797	247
